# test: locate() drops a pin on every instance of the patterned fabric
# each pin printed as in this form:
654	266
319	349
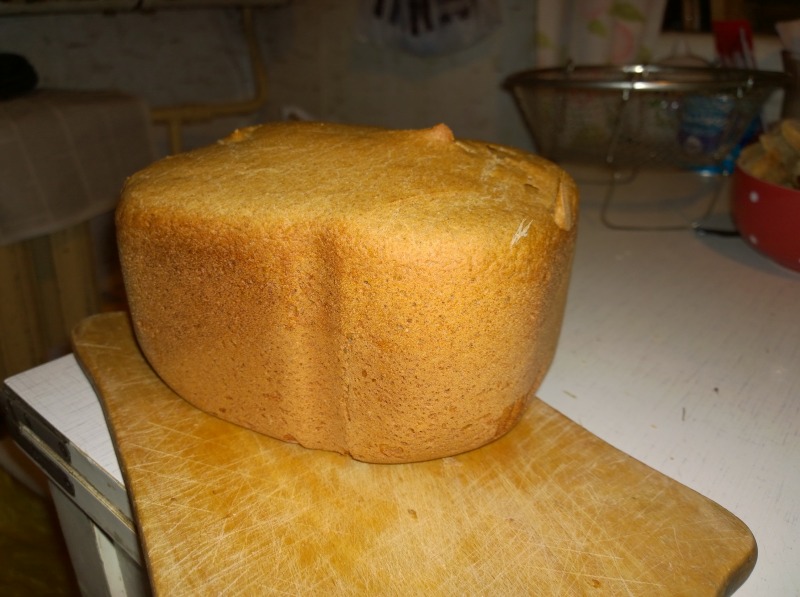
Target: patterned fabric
64	156
428	27
597	31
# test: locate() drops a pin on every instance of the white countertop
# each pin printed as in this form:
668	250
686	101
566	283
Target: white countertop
682	350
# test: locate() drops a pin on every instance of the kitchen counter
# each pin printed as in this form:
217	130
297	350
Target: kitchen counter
678	348
683	350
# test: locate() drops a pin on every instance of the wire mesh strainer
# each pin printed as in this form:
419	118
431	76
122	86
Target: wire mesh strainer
630	117
637	115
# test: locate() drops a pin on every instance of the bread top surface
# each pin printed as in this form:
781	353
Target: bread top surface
420	181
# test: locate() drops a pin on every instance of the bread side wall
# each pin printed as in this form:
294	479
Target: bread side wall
342	339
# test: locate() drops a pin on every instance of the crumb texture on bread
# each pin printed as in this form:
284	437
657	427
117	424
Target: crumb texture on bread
393	295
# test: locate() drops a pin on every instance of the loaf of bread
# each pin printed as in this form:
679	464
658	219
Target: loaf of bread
394	295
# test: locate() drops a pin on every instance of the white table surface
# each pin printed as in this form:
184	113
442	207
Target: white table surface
682	350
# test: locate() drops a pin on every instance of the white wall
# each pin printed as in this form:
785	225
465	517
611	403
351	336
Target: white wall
314	60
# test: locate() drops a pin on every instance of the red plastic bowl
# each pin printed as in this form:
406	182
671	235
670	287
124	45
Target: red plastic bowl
768	217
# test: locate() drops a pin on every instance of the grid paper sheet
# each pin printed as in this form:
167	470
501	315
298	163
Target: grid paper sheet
63	396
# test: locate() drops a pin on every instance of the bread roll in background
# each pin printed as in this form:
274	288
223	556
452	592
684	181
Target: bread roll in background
394	295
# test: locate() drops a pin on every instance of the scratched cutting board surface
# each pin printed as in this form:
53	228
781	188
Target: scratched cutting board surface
549	509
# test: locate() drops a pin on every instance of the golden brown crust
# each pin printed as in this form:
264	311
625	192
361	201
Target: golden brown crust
394	295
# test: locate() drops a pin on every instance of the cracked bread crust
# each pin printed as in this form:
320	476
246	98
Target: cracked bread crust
392	295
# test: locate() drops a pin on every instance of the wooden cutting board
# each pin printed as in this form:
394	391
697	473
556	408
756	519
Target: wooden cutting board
549	509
